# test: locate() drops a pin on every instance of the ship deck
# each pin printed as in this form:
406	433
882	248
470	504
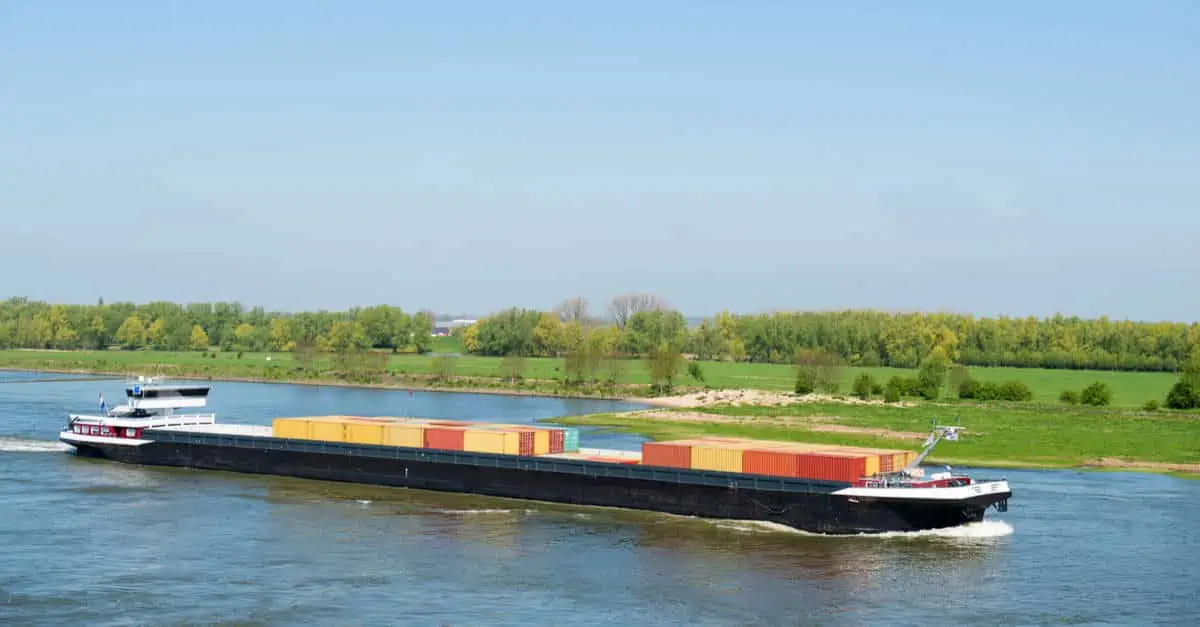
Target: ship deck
255	437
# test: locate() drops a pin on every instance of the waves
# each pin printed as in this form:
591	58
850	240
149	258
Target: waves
24	445
985	530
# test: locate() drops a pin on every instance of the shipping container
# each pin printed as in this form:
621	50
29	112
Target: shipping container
492	441
570	440
826	466
365	431
775	463
556	440
716	457
541	441
295	428
329	429
527	441
445	438
668	454
404	434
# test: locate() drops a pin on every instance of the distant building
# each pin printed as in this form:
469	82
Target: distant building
443	328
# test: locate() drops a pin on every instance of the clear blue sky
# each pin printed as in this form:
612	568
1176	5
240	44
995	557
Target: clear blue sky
1018	157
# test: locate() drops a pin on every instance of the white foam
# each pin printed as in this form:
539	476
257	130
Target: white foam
972	531
21	445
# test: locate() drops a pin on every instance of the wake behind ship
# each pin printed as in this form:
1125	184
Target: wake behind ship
812	487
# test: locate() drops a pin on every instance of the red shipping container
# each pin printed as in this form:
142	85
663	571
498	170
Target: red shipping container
669	455
829	467
445	438
558	438
772	463
526	445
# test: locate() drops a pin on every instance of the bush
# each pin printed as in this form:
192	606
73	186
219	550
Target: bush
239	356
1151	405
877	388
695	372
968	388
1014	391
1097	395
863	386
806	382
905	386
1070	397
1183	395
986	391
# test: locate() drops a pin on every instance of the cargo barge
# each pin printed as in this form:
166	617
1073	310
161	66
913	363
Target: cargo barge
810	487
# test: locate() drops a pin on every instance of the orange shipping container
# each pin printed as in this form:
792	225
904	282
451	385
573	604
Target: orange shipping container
541	442
828	466
445	438
775	463
668	454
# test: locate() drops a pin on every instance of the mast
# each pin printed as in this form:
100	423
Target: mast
939	433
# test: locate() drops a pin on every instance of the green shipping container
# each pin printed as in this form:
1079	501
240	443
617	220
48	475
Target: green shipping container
571	440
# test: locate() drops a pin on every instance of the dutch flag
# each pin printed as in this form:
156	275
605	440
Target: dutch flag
103	407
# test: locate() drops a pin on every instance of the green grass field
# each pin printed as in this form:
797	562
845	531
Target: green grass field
1025	435
1130	389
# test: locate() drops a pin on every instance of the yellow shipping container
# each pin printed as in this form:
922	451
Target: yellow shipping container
295	428
404	434
327	430
709	457
541	442
364	432
492	441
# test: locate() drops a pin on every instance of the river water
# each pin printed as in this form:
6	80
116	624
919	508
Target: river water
98	543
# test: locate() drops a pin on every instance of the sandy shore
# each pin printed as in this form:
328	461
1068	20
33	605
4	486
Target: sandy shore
759	398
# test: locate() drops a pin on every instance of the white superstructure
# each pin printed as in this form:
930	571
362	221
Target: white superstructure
150	403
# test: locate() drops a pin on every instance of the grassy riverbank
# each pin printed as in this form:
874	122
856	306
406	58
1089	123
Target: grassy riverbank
1130	389
1039	434
1009	435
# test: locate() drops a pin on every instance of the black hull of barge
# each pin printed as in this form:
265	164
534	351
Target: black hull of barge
817	510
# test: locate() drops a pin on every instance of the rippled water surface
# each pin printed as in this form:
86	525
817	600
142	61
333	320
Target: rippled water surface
97	543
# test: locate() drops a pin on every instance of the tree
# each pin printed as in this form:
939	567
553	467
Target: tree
548	335
132	333
959	375
281	335
572	310
623	307
817	369
931	374
198	339
1183	395
663	363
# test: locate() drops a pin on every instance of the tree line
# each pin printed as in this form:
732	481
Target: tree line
630	326
636	324
227	326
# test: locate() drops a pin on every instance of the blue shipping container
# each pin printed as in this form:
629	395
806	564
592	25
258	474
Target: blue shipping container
571	440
